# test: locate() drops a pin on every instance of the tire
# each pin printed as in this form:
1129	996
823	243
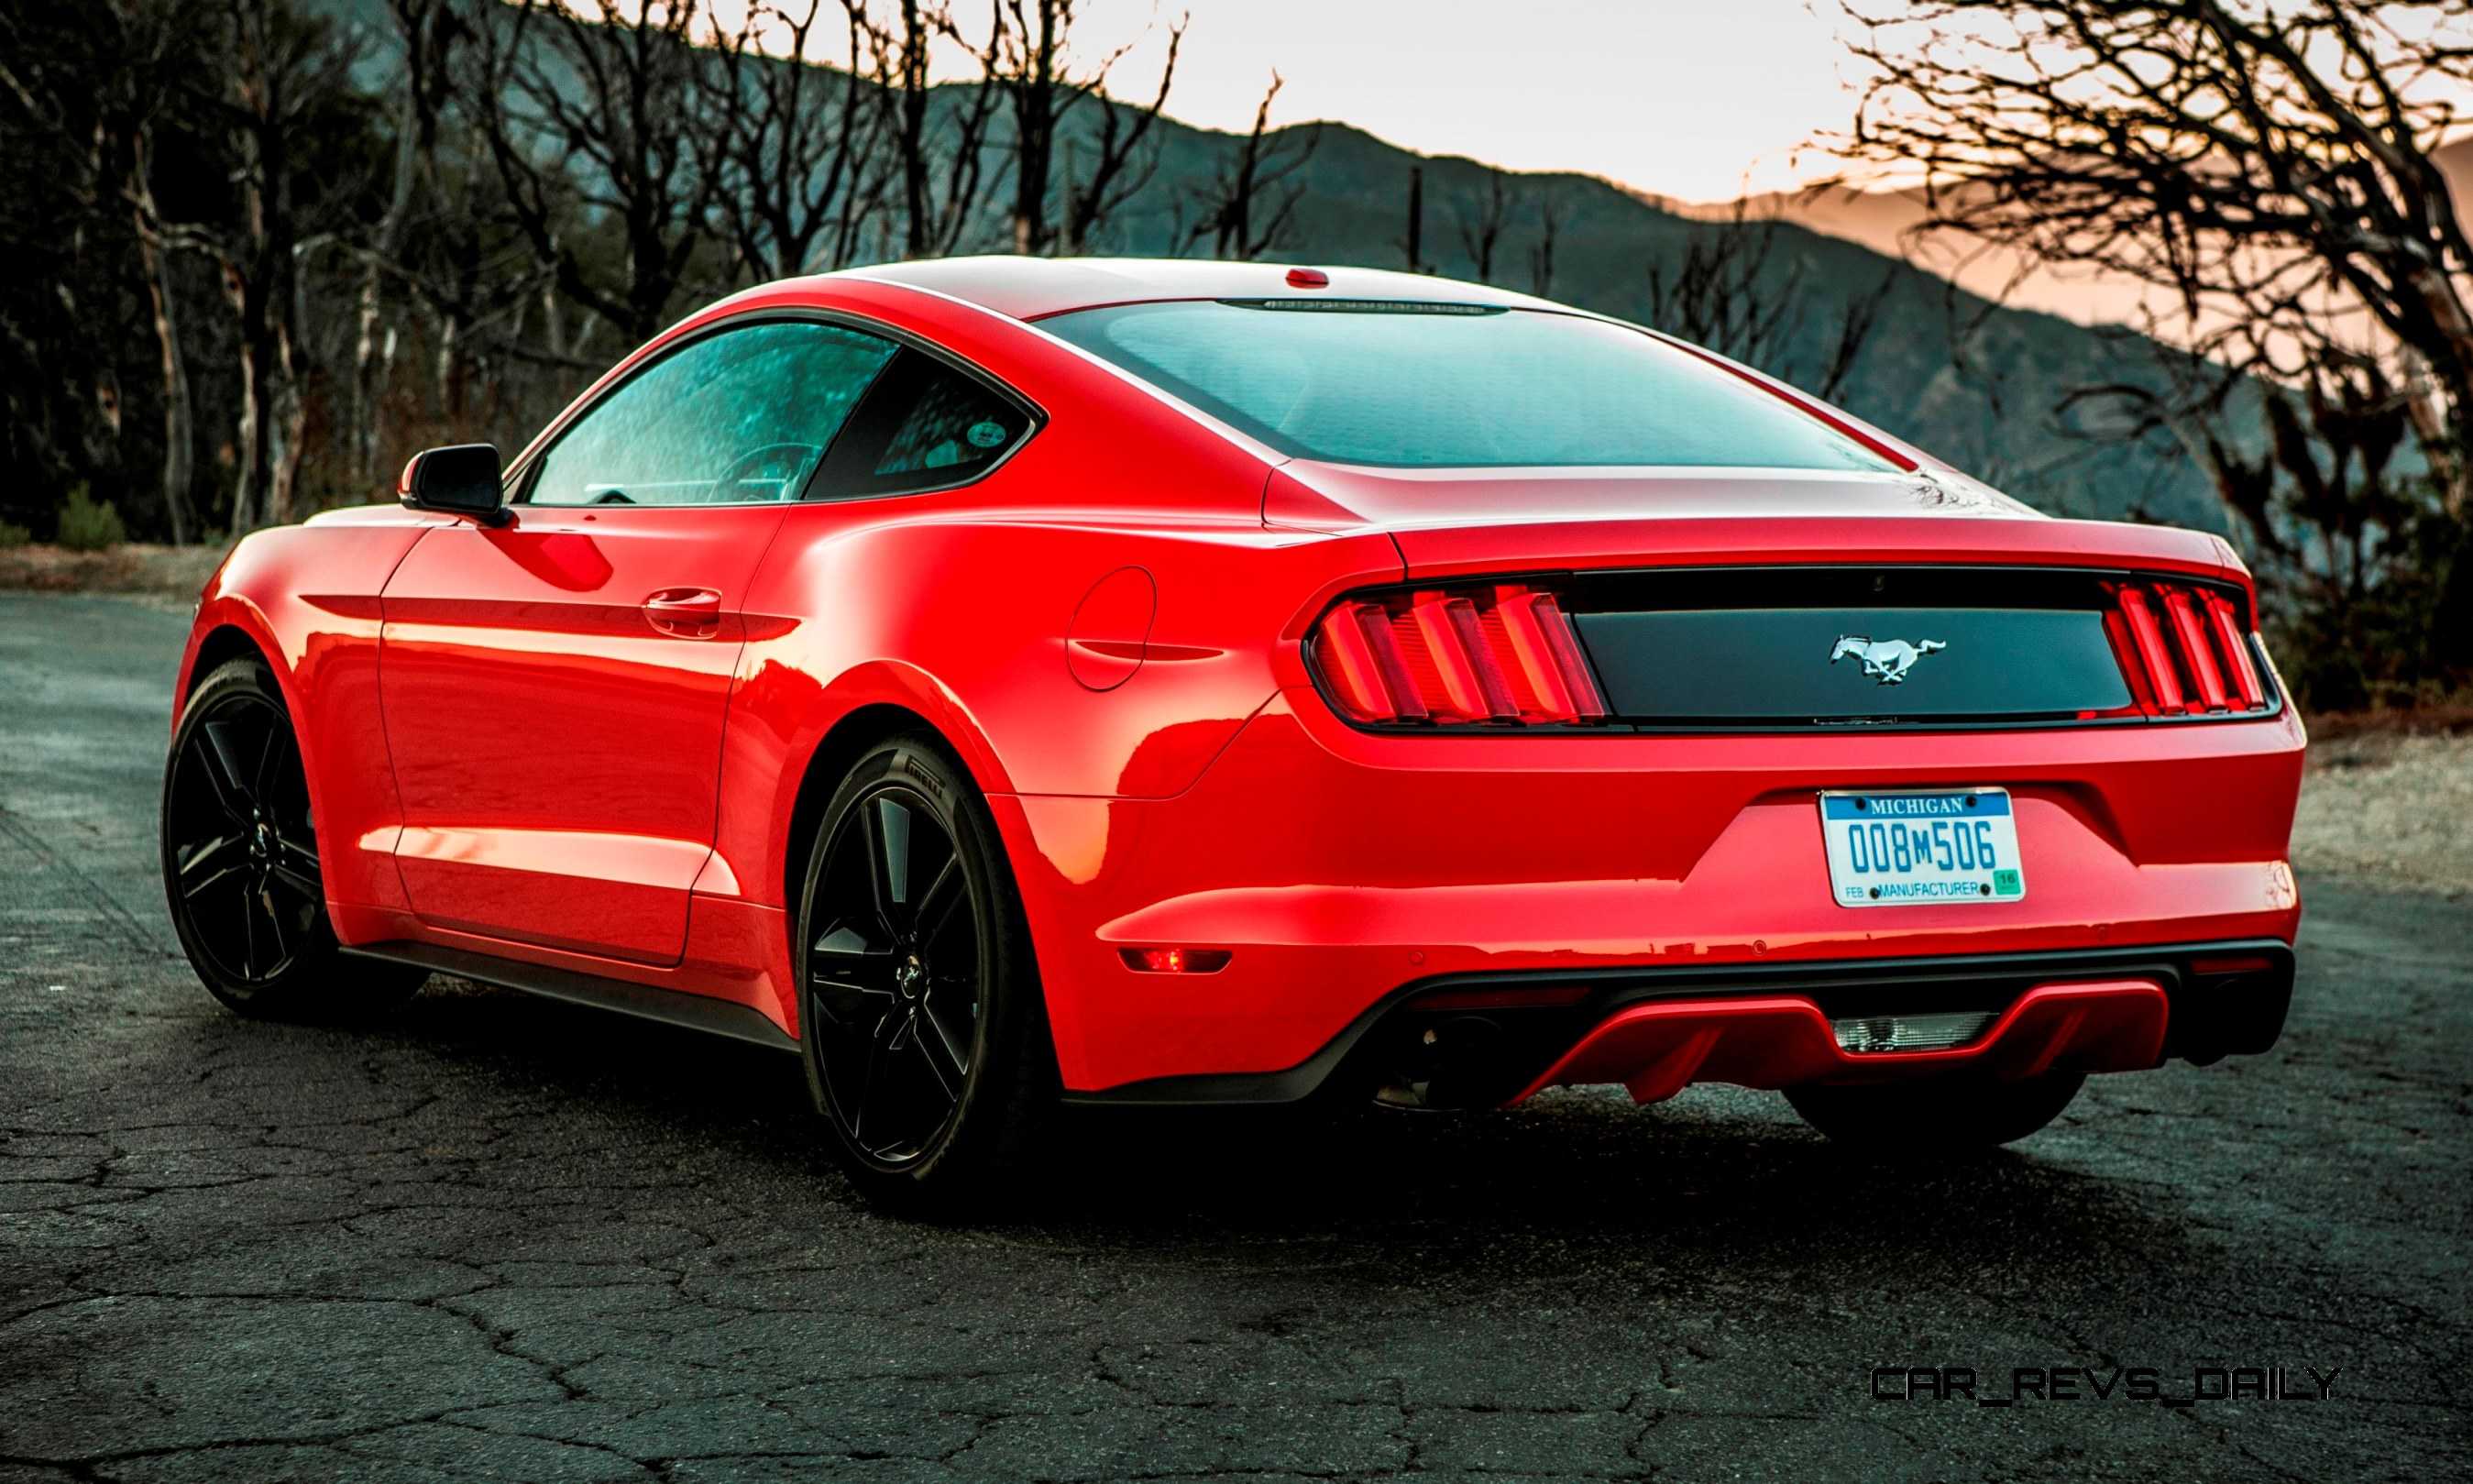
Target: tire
240	862
922	1021
1940	1114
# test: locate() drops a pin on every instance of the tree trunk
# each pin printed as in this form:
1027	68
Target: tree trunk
272	409
1032	149
1416	243
249	491
1034	139
180	443
368	368
288	415
448	367
2439	427
2446	425
913	133
374	349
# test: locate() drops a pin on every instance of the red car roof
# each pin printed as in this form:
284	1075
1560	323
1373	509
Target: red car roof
1028	288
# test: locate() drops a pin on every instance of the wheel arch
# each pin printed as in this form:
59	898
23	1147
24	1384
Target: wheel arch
850	738
220	645
835	753
230	626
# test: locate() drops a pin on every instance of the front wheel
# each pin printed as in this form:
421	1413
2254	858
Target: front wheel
921	1016
1937	1113
240	861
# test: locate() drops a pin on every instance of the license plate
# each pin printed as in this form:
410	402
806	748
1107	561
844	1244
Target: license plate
1903	847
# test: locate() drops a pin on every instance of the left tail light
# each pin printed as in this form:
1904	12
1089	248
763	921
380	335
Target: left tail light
1499	655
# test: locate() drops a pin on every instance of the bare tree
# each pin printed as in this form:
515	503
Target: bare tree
1119	169
426	33
1541	255
2263	167
112	75
1249	207
793	147
1481	228
941	171
284	74
1413	246
1043	88
591	108
1735	293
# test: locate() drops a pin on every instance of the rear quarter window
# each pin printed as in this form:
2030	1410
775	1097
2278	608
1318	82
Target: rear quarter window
927	424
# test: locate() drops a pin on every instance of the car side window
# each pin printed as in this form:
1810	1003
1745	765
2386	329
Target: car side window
927	424
741	416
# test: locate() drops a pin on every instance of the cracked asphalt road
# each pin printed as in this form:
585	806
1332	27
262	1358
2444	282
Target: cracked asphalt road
498	1238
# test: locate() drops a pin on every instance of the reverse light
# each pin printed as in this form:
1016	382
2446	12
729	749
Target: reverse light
1910	1033
1175	961
1504	655
2183	651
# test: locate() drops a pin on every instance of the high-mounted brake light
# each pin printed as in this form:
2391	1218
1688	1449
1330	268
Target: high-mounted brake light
2183	651
1504	655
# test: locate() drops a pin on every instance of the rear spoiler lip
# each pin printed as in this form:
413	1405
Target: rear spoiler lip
1609	544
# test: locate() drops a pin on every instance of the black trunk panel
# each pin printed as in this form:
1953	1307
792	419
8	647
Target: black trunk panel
1775	664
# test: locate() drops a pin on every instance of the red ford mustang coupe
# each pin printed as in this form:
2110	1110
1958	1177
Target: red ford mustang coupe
1006	683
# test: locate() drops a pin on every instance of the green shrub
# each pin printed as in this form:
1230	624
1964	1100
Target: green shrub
12	535
89	524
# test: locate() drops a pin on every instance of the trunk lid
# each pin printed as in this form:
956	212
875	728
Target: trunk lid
1462	522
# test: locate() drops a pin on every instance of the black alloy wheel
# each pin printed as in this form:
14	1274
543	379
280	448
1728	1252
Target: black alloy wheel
240	859
245	853
926	1044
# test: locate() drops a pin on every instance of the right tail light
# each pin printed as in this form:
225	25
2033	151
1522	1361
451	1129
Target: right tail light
2183	650
1499	654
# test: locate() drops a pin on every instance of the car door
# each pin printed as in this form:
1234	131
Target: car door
554	688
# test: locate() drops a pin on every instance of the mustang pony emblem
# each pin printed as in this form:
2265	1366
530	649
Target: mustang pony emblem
1890	660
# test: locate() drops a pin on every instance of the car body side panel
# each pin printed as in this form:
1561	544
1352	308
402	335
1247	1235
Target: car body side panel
307	595
557	745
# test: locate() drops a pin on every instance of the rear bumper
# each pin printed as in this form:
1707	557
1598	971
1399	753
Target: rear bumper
1486	1039
1345	873
1656	1050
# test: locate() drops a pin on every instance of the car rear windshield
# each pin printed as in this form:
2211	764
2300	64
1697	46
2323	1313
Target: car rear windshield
1455	385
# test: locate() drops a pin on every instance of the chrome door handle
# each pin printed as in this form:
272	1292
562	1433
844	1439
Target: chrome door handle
685	612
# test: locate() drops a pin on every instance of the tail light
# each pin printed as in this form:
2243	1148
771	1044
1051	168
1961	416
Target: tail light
2183	650
1501	654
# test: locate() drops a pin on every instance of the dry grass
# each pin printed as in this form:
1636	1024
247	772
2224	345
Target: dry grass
2449	718
2394	804
133	568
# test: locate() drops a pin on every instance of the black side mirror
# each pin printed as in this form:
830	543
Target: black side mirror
462	480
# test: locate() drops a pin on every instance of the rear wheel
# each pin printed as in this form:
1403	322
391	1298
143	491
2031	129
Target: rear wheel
920	1017
240	861
1938	1114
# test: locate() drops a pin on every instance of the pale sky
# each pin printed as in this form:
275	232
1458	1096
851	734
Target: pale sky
1695	99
